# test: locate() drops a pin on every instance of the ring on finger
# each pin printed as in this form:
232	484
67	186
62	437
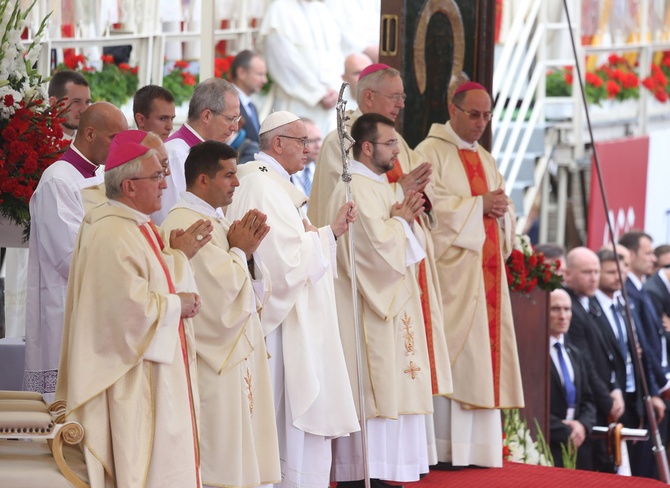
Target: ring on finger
199	237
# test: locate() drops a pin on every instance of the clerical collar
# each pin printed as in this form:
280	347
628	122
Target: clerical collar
194	202
141	218
273	163
358	168
84	158
191	129
460	143
635	280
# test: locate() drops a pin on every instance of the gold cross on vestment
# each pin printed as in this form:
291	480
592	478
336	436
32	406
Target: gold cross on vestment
412	369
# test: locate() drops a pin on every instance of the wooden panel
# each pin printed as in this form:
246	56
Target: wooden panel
446	38
531	316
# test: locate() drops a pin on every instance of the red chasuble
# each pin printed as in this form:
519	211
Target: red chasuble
492	265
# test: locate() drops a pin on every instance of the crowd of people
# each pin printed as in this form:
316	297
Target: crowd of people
198	312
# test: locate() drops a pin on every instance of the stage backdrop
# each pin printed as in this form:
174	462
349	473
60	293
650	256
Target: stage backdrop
436	45
636	175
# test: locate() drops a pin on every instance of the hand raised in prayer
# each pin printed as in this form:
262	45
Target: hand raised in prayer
417	179
190	304
348	213
247	234
496	203
190	241
410	208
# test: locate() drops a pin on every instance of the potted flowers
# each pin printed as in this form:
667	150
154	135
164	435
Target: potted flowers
526	269
30	130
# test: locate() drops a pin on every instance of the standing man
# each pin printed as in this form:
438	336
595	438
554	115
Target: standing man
72	88
56	213
302	47
237	411
213	114
380	91
312	395
128	357
303	179
573	413
396	363
154	111
473	237
249	75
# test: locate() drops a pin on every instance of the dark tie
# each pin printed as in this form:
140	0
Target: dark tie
253	115
619	328
570	390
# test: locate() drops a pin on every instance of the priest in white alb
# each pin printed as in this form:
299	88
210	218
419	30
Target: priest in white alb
127	369
313	399
395	358
238	435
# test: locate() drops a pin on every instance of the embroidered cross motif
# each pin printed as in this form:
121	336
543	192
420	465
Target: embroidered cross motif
250	394
263	169
408	334
412	370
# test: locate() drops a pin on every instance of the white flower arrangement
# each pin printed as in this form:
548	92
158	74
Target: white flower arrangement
518	445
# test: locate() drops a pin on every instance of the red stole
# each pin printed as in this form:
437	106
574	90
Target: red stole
182	336
492	265
393	176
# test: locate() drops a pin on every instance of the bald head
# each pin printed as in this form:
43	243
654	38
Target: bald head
353	65
560	312
582	271
99	123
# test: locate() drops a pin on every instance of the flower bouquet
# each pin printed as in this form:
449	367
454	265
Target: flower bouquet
518	445
113	84
30	130
526	268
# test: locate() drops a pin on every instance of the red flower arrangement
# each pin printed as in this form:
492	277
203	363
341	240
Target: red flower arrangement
113	83
181	82
30	130
526	269
657	81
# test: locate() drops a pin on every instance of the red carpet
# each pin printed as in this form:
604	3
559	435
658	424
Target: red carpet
514	475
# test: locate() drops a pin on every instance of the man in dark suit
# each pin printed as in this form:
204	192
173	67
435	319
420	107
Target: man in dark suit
249	75
582	275
573	412
657	285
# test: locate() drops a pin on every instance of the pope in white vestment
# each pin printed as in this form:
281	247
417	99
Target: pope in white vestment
127	369
313	398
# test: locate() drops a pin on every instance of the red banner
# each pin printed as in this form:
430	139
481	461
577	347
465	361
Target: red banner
624	170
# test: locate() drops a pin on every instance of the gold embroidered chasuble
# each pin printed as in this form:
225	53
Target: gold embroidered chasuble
459	238
238	435
395	356
123	373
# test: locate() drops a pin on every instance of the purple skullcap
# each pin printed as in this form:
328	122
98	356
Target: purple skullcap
371	69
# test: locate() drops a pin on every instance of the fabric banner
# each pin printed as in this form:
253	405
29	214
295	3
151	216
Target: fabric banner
657	210
624	165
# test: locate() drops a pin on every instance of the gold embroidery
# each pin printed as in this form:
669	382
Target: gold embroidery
250	394
412	369
408	334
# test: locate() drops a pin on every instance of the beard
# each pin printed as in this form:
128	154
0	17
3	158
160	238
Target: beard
69	126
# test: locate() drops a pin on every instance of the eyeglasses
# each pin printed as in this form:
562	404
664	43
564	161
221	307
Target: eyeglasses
396	97
229	119
389	143
158	177
301	140
476	115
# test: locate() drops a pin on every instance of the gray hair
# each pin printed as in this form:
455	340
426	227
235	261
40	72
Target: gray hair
209	95
132	169
373	81
265	139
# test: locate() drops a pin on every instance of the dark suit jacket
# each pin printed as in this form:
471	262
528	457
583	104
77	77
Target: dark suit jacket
634	405
650	333
660	299
585	335
585	409
248	126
